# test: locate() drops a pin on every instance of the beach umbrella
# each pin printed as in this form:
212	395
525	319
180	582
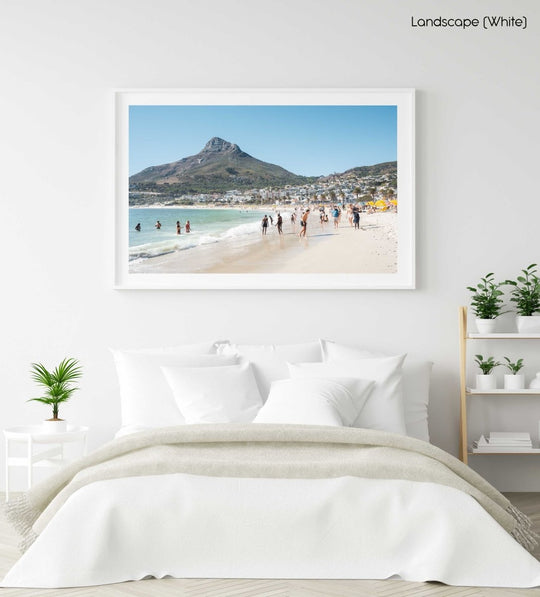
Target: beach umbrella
380	204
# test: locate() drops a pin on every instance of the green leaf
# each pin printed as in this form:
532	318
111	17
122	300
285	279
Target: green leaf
43	400
58	384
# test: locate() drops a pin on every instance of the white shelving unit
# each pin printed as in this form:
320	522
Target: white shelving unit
467	393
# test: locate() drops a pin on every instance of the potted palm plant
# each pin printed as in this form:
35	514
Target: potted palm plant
486	380
514	380
58	388
486	303
525	295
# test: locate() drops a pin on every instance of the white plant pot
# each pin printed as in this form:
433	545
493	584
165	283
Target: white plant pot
50	426
514	382
528	324
486	326
486	382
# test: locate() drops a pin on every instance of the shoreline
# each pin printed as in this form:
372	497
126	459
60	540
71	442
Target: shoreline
372	249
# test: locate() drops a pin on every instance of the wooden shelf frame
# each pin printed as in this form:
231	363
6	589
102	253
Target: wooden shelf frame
464	450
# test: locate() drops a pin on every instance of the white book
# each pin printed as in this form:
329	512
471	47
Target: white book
509	435
483	443
509	438
522	444
504	450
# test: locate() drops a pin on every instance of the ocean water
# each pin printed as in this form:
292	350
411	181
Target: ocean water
207	226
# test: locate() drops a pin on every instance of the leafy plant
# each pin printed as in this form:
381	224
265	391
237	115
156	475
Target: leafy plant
513	367
58	383
526	291
486	301
487	365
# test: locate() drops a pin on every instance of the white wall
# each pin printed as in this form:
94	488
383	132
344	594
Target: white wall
477	161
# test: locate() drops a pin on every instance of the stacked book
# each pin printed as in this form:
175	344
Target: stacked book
504	441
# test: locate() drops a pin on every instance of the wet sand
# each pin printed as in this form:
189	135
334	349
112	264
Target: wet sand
372	249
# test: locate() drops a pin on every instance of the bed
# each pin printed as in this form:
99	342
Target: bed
296	461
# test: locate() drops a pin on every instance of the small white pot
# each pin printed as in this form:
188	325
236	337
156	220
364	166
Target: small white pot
486	326
486	382
535	382
514	382
528	324
52	426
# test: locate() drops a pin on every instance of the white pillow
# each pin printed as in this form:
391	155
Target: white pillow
185	349
146	399
384	407
416	382
315	401
269	361
224	395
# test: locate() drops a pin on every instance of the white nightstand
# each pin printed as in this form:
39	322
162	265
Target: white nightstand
33	435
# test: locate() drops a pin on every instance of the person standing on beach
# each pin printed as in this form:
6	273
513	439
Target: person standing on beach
178	227
279	223
350	214
303	223
157	225
188	226
335	215
322	217
264	224
293	221
356	218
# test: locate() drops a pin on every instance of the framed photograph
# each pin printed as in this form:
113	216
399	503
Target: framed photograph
265	188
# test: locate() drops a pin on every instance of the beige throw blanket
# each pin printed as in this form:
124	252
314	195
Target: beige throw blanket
277	451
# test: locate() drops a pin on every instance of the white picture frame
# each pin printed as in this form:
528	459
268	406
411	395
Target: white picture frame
403	275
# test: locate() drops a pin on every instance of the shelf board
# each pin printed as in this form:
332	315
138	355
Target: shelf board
475	451
502	392
503	336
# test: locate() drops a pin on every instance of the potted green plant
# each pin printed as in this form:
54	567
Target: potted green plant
486	380
525	295
486	303
58	388
514	380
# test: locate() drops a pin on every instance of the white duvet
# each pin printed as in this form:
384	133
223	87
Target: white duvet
185	526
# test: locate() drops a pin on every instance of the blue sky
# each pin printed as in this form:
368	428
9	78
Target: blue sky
308	140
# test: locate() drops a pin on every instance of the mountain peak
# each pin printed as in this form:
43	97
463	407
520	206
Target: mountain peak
216	144
219	166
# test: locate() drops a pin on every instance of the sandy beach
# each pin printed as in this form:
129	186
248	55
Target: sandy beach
371	249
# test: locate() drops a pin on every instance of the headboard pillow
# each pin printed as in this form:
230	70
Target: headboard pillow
416	382
383	409
146	399
269	361
225	395
315	401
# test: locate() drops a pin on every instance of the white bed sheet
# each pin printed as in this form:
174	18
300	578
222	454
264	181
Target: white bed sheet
196	526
